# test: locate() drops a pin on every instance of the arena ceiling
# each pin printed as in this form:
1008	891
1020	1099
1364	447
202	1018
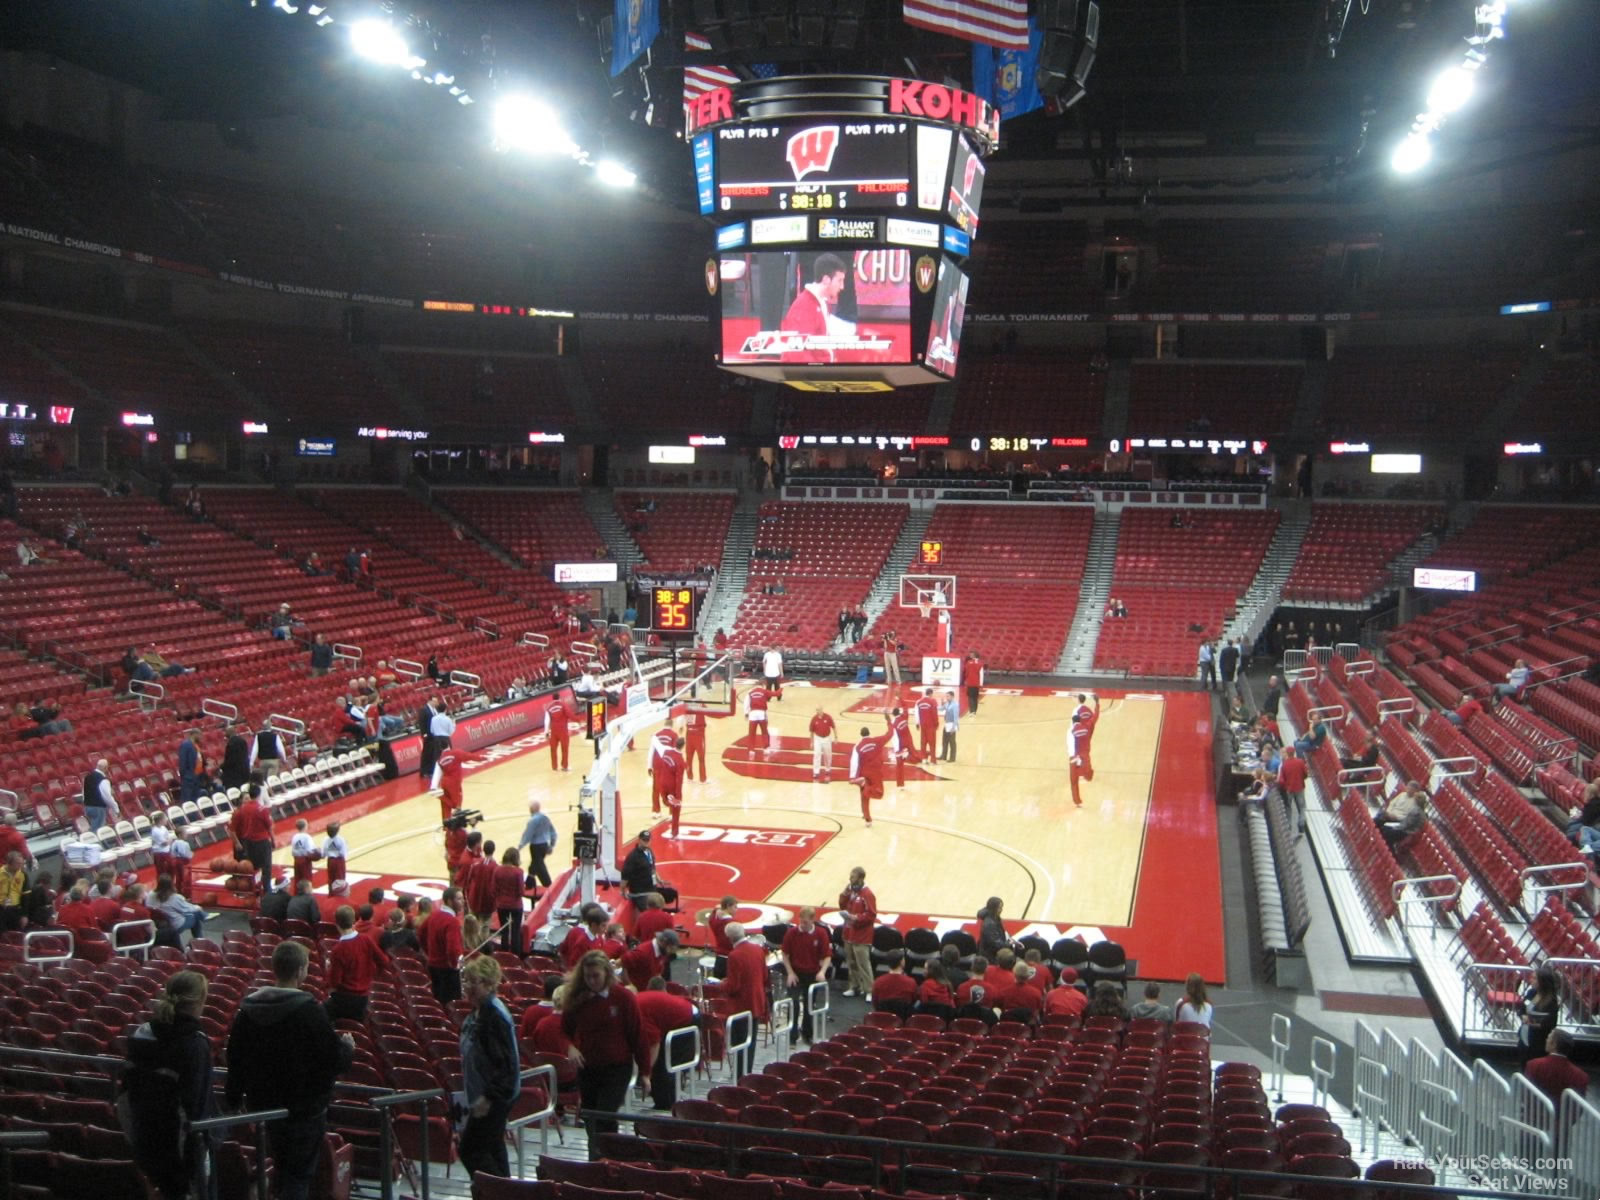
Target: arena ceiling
1217	99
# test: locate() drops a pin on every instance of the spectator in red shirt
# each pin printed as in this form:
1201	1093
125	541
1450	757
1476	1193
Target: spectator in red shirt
964	990
1292	782
1066	1000
133	908
649	959
601	1017
807	952
1044	976
1470	708
935	996
505	890
441	942
746	986
1021	997
352	966
895	992
661	1012
11	838
105	900
479	884
1001	974
77	913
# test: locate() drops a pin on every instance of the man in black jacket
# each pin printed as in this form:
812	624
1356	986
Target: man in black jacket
283	1052
639	872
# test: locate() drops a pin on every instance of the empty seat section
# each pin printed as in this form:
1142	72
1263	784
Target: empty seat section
1415	389
1348	548
682	531
1232	399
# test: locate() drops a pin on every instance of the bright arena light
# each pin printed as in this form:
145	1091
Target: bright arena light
1450	90
523	123
614	173
1412	154
381	43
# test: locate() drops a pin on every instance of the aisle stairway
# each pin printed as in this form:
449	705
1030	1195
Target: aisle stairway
885	589
733	572
1266	590
598	503
1077	654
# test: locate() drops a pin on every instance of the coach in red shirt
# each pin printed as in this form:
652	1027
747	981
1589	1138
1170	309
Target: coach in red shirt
746	985
807	957
352	966
252	829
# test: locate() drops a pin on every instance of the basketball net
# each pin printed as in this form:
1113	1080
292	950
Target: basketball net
924	606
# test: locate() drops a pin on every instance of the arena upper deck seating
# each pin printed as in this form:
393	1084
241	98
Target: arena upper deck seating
1027	392
1018	570
671	390
838	549
686	530
310	375
536	528
1348	547
1028	267
459	388
1511	539
1562	402
1174	579
137	367
1233	399
1415	389
1215	266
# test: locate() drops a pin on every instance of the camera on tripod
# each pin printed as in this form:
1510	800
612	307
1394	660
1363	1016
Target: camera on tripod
586	841
462	818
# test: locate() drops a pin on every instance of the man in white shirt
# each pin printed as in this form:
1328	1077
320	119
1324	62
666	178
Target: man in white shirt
772	670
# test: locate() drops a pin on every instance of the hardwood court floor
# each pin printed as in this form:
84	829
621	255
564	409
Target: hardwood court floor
1138	863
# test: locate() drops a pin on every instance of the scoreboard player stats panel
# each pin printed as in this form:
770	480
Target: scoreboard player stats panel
673	610
833	165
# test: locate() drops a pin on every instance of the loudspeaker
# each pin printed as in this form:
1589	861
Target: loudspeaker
1056	55
1056	14
1067	54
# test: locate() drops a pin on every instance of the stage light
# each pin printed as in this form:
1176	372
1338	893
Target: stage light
1450	90
1412	154
614	174
523	123
381	43
324	19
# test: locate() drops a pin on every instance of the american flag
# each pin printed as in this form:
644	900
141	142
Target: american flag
1002	23
698	80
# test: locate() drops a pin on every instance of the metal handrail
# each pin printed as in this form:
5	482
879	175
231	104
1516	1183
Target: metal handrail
411	670
52	935
466	679
131	947
220	709
259	1119
1396	704
347	651
539	641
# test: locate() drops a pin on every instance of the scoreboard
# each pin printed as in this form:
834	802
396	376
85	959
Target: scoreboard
844	207
673	610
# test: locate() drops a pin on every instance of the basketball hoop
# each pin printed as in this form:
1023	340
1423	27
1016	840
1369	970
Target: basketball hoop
925	607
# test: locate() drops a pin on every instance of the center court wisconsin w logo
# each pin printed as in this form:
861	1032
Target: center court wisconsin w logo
812	150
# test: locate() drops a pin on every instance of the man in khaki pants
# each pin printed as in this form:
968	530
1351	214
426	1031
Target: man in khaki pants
859	907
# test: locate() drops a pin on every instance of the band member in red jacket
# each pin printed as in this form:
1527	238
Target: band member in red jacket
557	716
694	743
866	769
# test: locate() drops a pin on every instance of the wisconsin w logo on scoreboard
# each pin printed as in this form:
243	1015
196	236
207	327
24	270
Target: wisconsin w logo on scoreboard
812	150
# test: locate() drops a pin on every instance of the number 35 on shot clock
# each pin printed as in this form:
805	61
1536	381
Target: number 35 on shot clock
932	554
674	609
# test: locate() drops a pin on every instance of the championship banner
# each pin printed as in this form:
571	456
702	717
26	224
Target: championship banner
634	26
942	670
1006	78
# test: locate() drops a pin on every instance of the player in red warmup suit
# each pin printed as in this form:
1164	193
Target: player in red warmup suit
694	743
900	745
556	718
927	711
755	711
663	739
671	767
447	778
1079	738
866	769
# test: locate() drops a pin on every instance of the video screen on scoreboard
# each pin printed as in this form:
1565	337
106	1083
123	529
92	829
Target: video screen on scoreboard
827	165
966	188
949	312
816	307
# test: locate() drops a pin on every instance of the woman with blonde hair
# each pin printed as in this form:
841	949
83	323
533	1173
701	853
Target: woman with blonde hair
1194	1007
490	1071
167	1085
601	1019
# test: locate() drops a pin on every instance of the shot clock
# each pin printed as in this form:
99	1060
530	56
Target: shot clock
674	609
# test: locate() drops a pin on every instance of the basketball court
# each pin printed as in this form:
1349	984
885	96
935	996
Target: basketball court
1138	863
